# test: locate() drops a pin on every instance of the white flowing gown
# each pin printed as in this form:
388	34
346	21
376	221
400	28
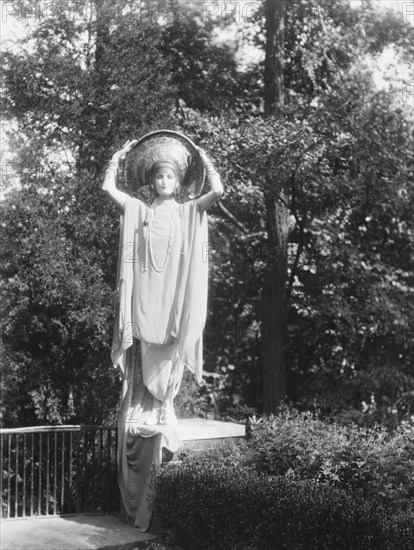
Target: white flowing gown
158	330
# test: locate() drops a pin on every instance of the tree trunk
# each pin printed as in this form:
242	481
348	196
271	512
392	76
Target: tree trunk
274	88
277	215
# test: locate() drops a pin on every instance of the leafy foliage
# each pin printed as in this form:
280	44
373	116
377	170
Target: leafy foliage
299	482
350	293
204	72
57	310
59	233
88	79
230	507
300	446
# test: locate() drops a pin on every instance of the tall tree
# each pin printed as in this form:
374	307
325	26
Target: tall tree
307	150
277	221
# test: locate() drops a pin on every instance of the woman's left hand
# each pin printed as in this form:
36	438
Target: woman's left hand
207	162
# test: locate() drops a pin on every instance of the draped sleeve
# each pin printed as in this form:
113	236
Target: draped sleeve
124	328
192	299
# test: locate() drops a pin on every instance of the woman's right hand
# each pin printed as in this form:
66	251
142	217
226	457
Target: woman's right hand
120	156
109	184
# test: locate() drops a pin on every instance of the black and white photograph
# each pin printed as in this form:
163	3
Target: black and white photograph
207	275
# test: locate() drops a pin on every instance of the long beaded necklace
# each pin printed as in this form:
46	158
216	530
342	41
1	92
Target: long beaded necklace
151	221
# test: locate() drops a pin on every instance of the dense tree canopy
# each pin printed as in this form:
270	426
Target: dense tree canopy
83	85
80	87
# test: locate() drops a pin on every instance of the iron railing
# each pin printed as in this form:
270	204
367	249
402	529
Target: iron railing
58	470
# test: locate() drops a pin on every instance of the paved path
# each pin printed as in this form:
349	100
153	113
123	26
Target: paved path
70	533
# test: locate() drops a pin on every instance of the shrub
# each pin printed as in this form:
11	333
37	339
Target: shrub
203	504
300	446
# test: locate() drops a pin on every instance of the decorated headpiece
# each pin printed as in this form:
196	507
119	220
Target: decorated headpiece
165	163
158	149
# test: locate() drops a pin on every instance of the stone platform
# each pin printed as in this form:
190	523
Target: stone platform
199	434
201	429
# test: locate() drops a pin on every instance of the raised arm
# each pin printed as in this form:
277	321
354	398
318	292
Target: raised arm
216	187
109	184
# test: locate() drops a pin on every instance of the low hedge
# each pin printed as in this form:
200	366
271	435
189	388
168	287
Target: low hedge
301	446
202	504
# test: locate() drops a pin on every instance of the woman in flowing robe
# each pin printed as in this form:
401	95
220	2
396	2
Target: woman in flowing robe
162	297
